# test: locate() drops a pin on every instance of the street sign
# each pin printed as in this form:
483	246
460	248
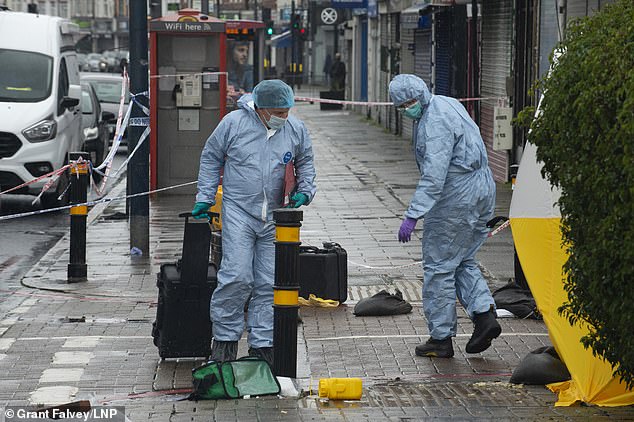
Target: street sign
502	128
329	16
349	4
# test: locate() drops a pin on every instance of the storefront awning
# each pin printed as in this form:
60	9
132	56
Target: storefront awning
282	40
411	17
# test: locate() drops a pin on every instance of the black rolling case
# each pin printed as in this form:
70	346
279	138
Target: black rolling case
323	272
183	327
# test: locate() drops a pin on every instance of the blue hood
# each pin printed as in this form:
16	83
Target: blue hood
408	87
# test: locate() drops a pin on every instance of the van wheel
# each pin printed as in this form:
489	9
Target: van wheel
49	200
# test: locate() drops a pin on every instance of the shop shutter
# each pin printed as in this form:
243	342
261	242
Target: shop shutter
407	51
496	67
422	58
443	53
580	8
385	68
407	66
395	66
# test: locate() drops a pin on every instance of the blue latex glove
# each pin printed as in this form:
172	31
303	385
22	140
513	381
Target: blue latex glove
407	227
298	200
200	210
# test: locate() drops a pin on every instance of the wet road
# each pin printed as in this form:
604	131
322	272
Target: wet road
23	241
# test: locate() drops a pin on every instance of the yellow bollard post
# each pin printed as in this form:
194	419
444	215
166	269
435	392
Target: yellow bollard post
286	291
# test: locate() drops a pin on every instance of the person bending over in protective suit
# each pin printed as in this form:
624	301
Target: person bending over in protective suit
456	197
253	144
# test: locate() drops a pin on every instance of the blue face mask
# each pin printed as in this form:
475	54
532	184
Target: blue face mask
275	122
414	112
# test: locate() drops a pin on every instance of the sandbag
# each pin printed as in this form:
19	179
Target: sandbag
383	303
540	367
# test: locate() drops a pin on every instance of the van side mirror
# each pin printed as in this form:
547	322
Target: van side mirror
68	102
108	116
72	99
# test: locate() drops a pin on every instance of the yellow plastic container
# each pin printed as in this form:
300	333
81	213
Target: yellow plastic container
341	388
216	222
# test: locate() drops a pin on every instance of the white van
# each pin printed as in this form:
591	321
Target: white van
40	117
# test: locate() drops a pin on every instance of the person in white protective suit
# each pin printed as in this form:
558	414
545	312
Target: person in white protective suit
253	144
456	197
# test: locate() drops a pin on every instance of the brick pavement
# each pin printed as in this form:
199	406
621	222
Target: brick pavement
92	340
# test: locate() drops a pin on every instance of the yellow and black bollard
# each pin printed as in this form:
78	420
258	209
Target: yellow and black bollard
78	194
286	291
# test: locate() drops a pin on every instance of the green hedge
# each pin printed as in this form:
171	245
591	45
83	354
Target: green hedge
585	137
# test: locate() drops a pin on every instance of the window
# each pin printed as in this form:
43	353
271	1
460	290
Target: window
62	86
25	76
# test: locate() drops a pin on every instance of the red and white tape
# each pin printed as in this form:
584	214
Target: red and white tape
376	103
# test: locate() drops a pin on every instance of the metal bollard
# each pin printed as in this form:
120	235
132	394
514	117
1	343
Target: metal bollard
78	194
286	291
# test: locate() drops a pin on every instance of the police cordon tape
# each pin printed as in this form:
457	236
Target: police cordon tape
37	179
92	203
122	122
155	76
379	103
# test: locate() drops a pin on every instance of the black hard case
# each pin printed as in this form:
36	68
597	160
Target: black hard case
183	327
324	272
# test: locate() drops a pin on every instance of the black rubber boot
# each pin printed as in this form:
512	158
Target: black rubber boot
486	329
436	348
222	351
265	353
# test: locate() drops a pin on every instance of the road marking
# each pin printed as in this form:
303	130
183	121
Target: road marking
79	342
72	358
61	375
53	395
21	309
5	343
80	338
419	336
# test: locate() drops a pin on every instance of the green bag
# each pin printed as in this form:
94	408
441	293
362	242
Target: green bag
247	376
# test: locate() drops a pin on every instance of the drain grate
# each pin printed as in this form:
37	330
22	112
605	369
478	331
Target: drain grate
470	395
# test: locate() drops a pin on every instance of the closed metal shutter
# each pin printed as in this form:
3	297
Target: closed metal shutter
407	51
497	25
407	66
548	34
422	57
443	53
384	76
395	66
580	8
576	9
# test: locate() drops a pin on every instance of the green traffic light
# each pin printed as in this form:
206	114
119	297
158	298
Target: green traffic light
269	31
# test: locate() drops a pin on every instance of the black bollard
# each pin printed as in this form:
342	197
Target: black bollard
286	291
78	194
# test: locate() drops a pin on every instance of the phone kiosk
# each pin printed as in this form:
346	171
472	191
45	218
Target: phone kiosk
188	90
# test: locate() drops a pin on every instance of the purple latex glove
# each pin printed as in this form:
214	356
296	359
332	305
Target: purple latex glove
407	227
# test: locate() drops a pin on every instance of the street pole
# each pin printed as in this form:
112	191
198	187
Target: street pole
138	166
293	46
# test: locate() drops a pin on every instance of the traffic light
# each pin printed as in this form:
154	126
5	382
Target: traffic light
296	22
266	17
298	28
303	34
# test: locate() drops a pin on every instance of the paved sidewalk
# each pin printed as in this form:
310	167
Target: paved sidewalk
92	340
